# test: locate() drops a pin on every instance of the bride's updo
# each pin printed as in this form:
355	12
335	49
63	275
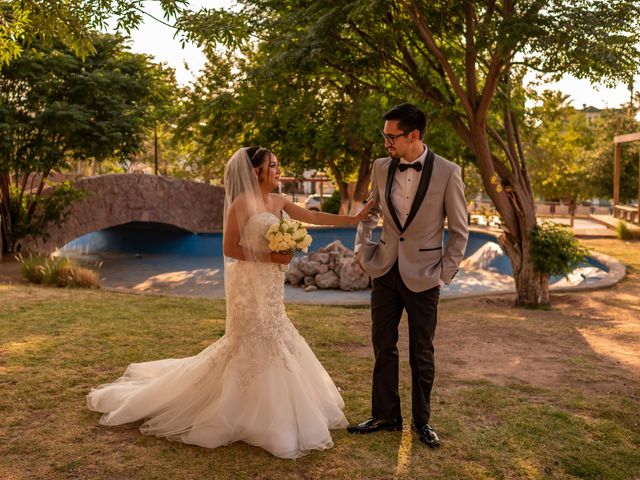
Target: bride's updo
258	155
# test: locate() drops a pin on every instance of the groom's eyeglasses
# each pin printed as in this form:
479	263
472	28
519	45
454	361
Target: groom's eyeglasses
392	138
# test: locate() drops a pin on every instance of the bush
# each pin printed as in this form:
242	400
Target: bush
555	250
624	233
332	204
58	271
31	214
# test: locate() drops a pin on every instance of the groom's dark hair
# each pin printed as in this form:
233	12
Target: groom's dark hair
410	118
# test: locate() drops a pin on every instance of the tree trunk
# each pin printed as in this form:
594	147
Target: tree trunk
532	288
352	197
5	214
514	202
572	212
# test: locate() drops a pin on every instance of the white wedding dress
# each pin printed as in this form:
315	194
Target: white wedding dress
260	383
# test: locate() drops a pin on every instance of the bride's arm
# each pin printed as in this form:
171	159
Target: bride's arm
323	218
231	237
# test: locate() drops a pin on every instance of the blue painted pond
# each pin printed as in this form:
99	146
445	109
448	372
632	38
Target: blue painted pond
147	238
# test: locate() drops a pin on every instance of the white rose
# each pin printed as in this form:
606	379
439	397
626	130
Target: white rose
307	240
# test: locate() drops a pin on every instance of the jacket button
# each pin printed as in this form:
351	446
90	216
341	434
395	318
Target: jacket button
402	239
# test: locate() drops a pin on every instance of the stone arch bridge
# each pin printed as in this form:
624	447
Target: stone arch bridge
116	199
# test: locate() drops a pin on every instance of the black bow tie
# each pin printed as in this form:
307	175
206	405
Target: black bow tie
417	166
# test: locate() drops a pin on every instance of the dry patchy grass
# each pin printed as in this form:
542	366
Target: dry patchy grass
519	393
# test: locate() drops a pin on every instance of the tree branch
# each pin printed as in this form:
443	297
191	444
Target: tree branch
425	32
504	147
490	86
470	55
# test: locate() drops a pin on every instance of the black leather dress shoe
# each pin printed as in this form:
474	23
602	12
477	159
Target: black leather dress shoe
427	436
375	425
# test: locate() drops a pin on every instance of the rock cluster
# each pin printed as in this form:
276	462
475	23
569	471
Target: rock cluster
331	267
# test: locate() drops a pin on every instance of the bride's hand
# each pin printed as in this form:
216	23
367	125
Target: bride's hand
282	258
363	213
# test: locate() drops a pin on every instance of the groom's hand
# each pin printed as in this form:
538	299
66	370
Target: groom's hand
363	212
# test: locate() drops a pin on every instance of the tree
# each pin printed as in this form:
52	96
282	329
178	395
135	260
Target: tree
466	59
309	121
54	107
315	120
557	145
571	155
71	23
600	156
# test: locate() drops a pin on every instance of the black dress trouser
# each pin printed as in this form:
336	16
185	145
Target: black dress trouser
389	297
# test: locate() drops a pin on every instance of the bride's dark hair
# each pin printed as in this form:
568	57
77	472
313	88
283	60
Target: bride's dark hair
257	155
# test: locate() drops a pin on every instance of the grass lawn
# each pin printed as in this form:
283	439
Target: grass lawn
518	394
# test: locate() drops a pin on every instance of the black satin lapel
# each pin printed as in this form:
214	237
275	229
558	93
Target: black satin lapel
425	178
391	173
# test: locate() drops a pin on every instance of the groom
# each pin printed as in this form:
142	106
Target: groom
414	190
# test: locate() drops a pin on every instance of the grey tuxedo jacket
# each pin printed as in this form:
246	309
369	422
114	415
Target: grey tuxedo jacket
418	244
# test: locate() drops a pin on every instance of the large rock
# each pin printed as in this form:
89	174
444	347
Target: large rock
335	258
294	276
351	275
337	246
328	280
295	262
320	257
311	268
332	266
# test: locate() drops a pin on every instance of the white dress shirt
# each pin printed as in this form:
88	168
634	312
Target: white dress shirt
405	185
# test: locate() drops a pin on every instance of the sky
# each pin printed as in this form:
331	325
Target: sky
156	39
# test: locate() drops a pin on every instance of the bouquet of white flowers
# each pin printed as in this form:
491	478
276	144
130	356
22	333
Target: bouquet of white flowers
287	236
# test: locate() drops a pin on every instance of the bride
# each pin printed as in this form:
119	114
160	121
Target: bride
260	383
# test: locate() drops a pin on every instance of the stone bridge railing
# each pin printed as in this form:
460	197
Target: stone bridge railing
121	198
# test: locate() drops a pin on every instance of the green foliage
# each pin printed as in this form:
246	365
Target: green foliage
54	108
555	250
603	128
57	271
570	152
558	140
332	204
625	233
71	22
31	214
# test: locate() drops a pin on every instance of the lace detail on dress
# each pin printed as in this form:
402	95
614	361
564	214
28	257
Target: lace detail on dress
256	318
